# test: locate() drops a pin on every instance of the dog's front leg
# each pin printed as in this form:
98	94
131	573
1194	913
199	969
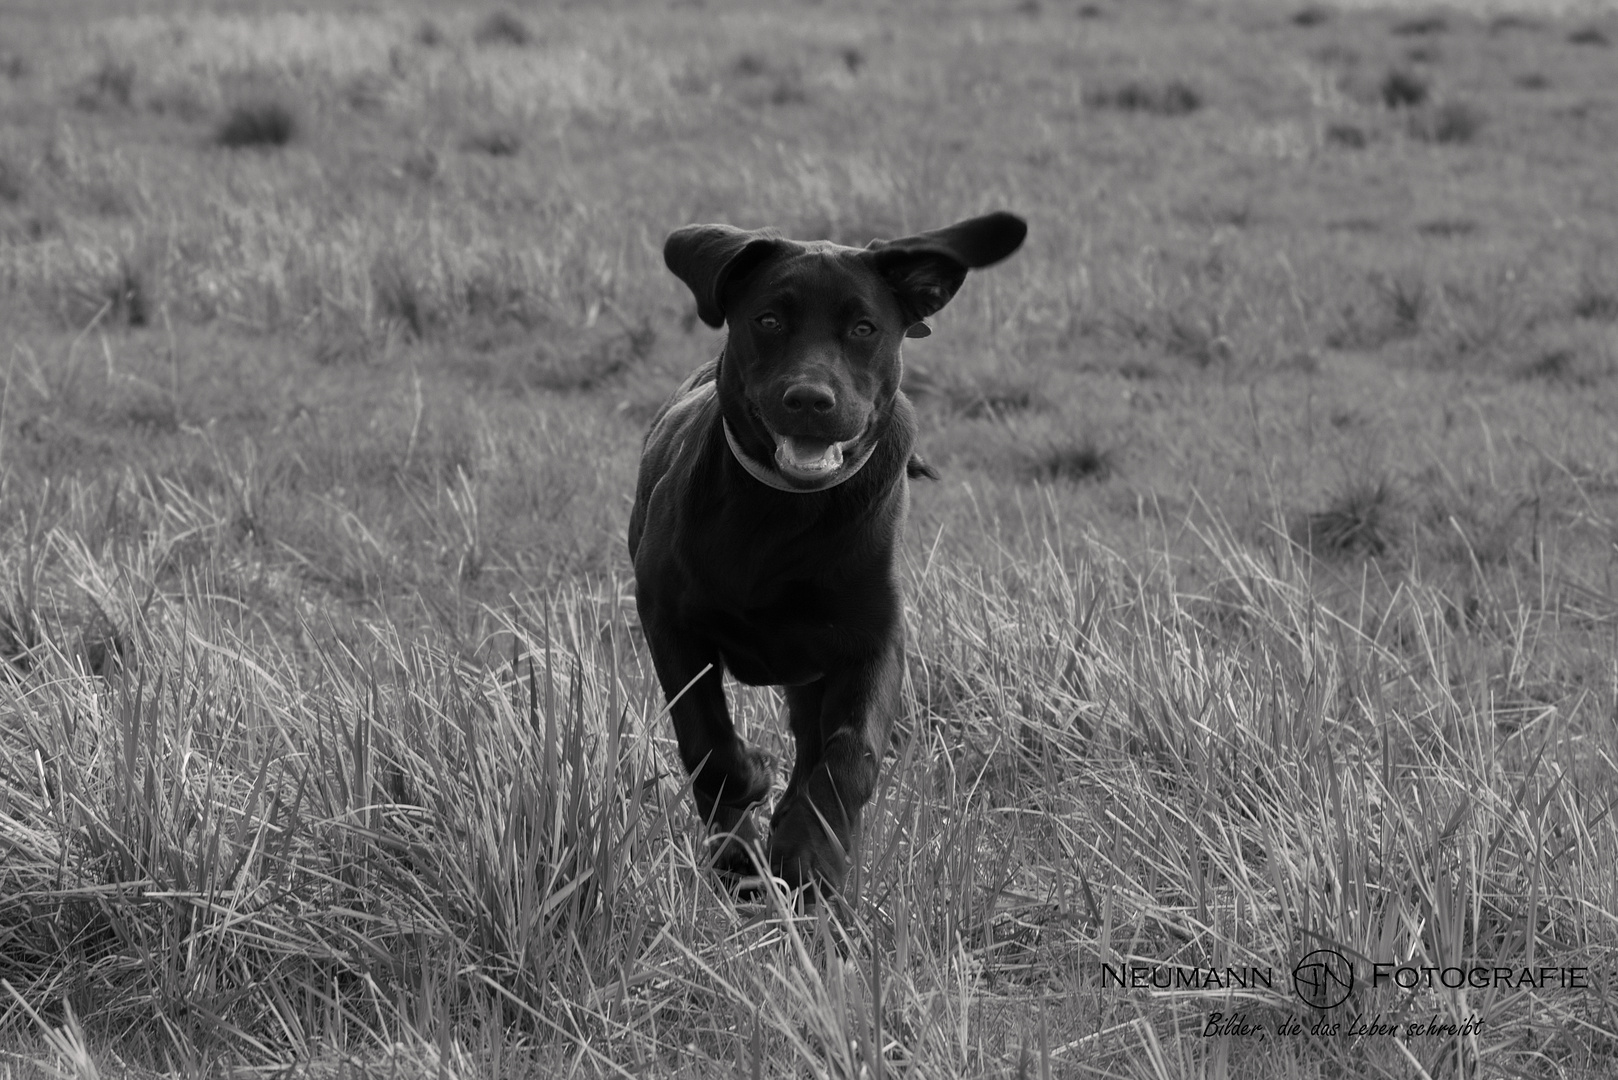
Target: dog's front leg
728	777
814	828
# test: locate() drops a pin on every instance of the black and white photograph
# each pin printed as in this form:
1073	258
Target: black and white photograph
836	539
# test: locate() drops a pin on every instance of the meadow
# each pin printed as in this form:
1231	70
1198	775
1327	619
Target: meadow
1266	604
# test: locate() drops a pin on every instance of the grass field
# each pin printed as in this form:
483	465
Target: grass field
1267	604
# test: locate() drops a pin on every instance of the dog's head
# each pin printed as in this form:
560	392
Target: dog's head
811	368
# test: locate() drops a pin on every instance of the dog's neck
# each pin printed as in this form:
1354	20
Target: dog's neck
761	472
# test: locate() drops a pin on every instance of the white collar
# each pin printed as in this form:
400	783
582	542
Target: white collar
766	475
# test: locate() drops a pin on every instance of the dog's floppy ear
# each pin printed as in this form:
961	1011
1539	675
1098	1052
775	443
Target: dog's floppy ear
925	270
707	257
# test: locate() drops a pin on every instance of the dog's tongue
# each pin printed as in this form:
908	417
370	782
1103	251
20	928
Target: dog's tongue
809	455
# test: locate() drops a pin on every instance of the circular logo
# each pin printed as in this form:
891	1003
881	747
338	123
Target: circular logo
1323	979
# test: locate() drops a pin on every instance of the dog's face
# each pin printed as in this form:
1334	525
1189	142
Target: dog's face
811	367
813	357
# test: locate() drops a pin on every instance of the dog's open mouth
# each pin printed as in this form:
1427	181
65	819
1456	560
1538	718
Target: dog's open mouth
809	459
805	463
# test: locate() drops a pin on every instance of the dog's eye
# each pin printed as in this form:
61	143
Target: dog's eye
769	321
863	328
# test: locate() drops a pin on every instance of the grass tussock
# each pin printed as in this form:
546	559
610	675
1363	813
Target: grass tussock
1172	98
1564	366
1400	306
495	142
1450	123
422	165
13	180
758	79
402	295
1509	22
1557	364
128	293
1362	518
1073	459
1596	300
990	396
338	345
1402	89
1348	136
1405	300
1421	26
503	28
1448	228
367	92
182	99
257	125
589	361
429	35
110	86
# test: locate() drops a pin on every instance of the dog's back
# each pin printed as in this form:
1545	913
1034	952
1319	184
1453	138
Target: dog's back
677	434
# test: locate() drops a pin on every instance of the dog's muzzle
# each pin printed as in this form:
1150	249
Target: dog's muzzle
802	465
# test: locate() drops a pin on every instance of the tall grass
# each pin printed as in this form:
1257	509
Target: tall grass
223	848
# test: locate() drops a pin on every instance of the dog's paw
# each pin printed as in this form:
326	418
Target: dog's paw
733	847
806	850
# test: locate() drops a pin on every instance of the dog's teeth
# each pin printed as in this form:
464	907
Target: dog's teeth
812	457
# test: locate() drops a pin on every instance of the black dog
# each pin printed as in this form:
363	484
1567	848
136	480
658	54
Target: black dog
771	496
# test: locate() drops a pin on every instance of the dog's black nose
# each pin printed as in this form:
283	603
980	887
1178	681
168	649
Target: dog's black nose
816	396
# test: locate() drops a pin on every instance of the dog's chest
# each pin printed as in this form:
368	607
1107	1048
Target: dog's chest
789	632
788	653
